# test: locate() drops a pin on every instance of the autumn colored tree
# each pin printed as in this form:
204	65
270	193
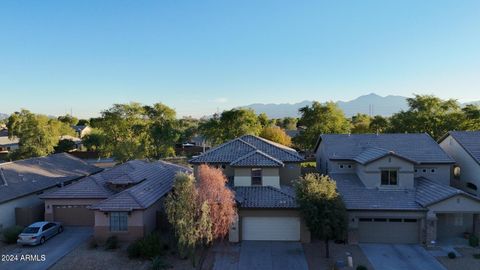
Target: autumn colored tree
212	189
276	134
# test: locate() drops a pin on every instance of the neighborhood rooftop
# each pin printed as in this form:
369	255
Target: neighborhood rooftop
249	149
24	177
149	180
470	142
419	148
265	197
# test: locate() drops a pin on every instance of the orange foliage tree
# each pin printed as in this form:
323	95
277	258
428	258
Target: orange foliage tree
212	189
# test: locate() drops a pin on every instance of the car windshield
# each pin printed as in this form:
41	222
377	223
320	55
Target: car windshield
31	230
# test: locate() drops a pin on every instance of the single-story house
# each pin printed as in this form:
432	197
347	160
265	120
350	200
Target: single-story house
22	181
261	173
124	201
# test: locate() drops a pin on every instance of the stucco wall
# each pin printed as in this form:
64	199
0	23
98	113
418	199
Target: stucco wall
440	173
7	209
270	177
469	168
290	173
370	174
304	232
459	203
150	216
135	227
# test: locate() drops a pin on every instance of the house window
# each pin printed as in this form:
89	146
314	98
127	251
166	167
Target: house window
256	177
389	177
118	221
471	186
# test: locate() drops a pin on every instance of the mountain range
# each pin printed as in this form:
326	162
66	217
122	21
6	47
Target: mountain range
371	104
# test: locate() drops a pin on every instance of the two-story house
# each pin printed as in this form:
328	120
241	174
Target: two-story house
260	172
464	147
396	188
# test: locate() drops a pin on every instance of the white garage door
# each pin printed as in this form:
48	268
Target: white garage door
271	228
392	230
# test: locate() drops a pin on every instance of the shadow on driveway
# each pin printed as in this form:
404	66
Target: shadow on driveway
53	250
400	257
261	255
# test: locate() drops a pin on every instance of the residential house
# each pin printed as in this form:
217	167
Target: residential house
396	188
6	144
82	130
261	173
464	148
124	201
22	181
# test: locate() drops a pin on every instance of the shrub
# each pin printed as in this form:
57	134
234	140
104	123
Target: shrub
362	267
452	255
159	264
112	242
147	248
11	234
473	241
92	244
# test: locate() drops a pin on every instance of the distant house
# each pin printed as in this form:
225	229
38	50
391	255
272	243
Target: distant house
81	131
464	147
260	172
7	145
123	201
22	181
396	188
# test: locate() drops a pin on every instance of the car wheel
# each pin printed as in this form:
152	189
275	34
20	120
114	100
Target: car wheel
42	240
60	230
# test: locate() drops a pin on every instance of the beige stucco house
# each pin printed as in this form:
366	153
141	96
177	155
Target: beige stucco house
396	188
260	172
124	201
464	148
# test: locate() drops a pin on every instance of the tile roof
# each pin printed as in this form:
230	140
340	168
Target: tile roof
149	181
32	175
430	192
426	192
239	147
419	148
358	197
256	158
374	153
265	197
470	141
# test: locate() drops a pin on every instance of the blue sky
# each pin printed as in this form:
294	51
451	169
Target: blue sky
200	56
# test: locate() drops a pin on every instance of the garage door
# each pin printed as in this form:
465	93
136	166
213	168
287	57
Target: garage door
73	215
393	230
271	228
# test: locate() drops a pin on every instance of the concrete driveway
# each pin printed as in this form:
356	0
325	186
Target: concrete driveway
261	255
400	257
53	250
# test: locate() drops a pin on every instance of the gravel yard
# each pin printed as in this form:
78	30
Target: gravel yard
84	258
315	253
466	262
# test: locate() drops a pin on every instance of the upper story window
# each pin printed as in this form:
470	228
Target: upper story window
389	177
118	221
256	177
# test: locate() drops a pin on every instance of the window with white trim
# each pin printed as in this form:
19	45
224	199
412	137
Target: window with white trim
389	177
256	177
118	221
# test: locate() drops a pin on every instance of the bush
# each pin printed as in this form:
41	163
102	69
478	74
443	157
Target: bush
452	255
362	267
92	244
159	264
112	242
11	234
473	241
147	248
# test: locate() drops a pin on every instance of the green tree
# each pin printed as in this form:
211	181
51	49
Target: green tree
471	117
68	119
37	134
320	119
230	124
83	122
322	207
164	130
65	145
95	141
276	134
428	114
288	123
189	217
188	128
379	124
263	119
361	123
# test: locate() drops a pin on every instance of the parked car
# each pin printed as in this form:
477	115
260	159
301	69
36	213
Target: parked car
39	232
